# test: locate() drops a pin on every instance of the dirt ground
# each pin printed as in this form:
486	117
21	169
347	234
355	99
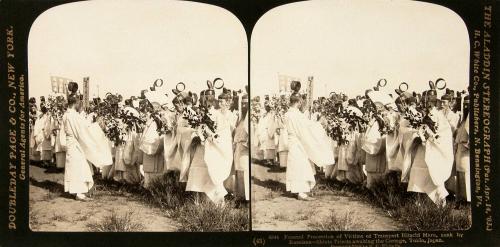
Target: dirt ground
53	210
275	210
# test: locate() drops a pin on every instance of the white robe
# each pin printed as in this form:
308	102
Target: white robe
42	132
212	161
433	163
241	165
151	144
452	117
81	146
305	144
267	131
462	159
282	143
178	150
256	151
169	140
348	161
407	149
376	161
60	144
34	154
393	144
126	167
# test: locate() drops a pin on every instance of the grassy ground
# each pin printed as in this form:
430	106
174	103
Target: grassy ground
275	209
119	207
115	222
192	211
416	212
113	208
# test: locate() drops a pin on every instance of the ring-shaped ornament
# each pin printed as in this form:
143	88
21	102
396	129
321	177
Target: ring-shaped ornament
158	83
379	83
215	83
443	82
406	87
180	84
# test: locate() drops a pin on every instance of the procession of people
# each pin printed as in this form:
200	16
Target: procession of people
422	137
203	137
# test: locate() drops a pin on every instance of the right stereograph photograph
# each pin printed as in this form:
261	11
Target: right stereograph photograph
359	117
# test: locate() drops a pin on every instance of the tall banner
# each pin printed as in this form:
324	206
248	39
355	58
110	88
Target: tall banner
86	102
309	91
284	83
59	84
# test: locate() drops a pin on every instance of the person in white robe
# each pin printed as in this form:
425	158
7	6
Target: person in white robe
82	144
376	161
213	159
241	153
374	141
392	140
60	143
118	168
462	159
151	144
34	155
315	111
179	152
361	157
305	145
256	151
282	146
407	136
267	134
347	164
433	159
42	133
126	167
342	165
354	172
395	141
452	117
169	117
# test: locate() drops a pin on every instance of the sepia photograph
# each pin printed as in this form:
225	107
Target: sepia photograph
138	118
359	117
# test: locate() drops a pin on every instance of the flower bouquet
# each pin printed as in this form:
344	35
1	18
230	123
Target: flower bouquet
341	122
164	125
255	111
355	118
202	121
56	105
114	129
280	105
425	124
133	120
338	129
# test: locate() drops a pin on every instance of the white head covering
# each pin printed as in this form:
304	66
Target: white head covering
157	97
383	98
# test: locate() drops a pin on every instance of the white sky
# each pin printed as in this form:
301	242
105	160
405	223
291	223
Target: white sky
349	45
125	45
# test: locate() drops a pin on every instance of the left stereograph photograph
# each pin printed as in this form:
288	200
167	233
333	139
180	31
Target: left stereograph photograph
138	118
